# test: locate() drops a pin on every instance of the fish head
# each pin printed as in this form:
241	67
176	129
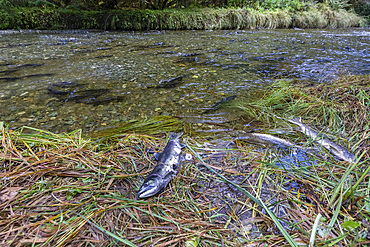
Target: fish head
151	186
347	156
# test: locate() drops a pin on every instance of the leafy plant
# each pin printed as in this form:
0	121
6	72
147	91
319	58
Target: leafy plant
294	5
338	4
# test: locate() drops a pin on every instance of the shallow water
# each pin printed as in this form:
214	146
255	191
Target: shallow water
65	80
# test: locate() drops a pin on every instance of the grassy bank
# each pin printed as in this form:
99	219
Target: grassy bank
63	189
341	107
173	19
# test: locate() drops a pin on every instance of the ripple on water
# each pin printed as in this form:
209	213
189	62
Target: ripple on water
127	75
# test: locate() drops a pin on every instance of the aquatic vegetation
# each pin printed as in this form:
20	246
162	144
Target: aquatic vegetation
151	126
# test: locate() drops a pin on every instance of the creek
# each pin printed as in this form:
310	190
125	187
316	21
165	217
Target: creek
66	80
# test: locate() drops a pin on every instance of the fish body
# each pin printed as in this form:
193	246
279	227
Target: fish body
170	83
335	149
220	104
264	139
164	171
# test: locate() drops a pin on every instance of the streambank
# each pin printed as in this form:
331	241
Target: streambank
173	19
68	188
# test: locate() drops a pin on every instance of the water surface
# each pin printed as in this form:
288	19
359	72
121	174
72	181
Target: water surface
66	80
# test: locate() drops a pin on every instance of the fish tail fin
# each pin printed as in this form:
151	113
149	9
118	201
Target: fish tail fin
174	135
297	120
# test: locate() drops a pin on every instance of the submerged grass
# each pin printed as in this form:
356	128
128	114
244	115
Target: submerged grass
64	189
151	126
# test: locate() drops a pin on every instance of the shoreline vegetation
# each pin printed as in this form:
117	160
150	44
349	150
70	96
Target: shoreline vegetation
66	189
175	19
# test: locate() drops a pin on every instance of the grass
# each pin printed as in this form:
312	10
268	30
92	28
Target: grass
340	108
58	189
152	126
66	189
173	19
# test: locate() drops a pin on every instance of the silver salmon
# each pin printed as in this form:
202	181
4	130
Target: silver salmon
164	171
335	149
264	139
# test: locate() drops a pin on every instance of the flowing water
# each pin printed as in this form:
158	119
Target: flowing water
66	80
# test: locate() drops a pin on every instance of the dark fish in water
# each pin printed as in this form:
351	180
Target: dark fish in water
220	104
58	88
191	54
170	83
67	84
190	59
17	67
104	100
37	75
104	56
86	96
155	45
30	65
73	91
26	76
10	78
335	149
164	171
9	71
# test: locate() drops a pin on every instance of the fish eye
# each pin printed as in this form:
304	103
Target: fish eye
150	183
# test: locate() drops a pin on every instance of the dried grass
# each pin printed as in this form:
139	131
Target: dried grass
59	190
66	190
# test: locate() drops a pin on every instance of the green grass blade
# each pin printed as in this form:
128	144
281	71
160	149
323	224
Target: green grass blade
314	229
343	179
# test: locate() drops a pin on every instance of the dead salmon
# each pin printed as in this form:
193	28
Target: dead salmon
164	171
335	149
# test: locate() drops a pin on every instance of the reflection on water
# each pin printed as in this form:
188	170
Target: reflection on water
64	80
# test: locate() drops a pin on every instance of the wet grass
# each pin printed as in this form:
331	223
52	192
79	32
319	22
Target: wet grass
66	189
340	108
150	126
